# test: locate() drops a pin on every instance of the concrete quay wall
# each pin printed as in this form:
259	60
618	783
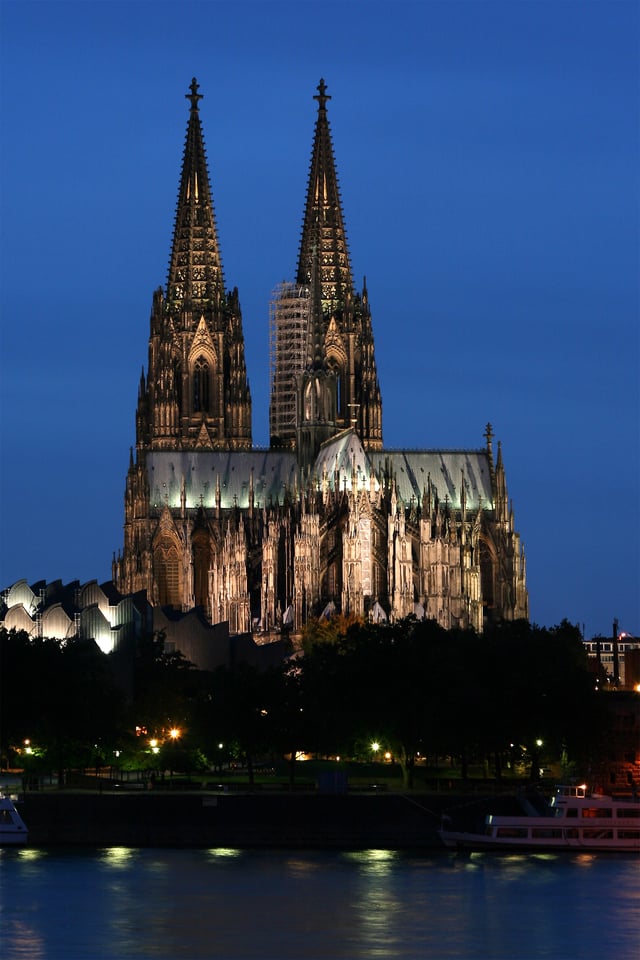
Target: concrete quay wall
198	819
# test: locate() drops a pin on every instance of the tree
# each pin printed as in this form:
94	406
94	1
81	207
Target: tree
382	680
165	686
239	710
62	697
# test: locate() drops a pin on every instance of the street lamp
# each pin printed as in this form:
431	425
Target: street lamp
536	770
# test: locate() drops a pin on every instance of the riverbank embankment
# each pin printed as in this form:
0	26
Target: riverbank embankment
219	819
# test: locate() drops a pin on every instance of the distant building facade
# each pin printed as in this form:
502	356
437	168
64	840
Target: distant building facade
616	659
88	611
326	518
97	612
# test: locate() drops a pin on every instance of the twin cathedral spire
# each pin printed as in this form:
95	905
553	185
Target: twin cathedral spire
326	518
196	393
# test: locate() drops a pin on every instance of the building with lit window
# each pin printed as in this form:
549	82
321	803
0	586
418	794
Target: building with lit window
616	659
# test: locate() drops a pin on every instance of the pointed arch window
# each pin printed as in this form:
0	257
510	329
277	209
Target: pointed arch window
309	407
338	369
177	380
201	564
487	576
201	386
167	574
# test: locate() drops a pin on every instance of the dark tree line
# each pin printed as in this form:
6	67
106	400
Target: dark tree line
423	690
415	688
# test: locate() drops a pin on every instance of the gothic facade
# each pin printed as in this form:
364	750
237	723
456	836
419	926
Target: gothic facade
325	519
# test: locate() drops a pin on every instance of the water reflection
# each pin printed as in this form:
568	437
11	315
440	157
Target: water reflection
586	859
224	853
23	941
302	867
121	857
288	905
376	903
29	855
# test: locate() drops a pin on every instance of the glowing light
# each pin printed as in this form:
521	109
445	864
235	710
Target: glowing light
30	853
174	733
375	746
375	862
105	638
118	856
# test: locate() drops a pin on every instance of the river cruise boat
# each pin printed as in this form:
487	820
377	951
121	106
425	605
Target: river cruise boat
574	819
13	830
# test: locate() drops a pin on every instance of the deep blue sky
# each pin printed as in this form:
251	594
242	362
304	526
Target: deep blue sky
489	162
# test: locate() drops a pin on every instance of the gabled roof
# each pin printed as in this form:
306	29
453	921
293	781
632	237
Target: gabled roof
344	453
412	470
276	472
203	470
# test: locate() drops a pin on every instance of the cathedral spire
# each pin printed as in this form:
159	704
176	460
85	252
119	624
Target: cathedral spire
196	393
323	227
195	270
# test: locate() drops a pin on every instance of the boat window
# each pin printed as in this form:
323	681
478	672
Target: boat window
572	812
595	834
571	833
590	812
631	812
512	832
546	833
629	835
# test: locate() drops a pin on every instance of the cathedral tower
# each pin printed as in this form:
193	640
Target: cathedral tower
334	378
195	396
196	392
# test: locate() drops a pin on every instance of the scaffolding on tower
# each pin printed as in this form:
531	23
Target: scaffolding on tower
289	314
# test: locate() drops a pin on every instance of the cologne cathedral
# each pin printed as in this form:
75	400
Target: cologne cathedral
326	519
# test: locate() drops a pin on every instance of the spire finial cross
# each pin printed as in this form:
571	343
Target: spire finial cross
322	96
194	96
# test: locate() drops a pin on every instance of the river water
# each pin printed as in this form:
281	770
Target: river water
121	904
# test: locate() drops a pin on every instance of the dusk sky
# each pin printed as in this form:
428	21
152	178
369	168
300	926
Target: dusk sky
489	158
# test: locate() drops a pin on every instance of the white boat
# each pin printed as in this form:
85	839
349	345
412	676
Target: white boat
13	830
574	819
